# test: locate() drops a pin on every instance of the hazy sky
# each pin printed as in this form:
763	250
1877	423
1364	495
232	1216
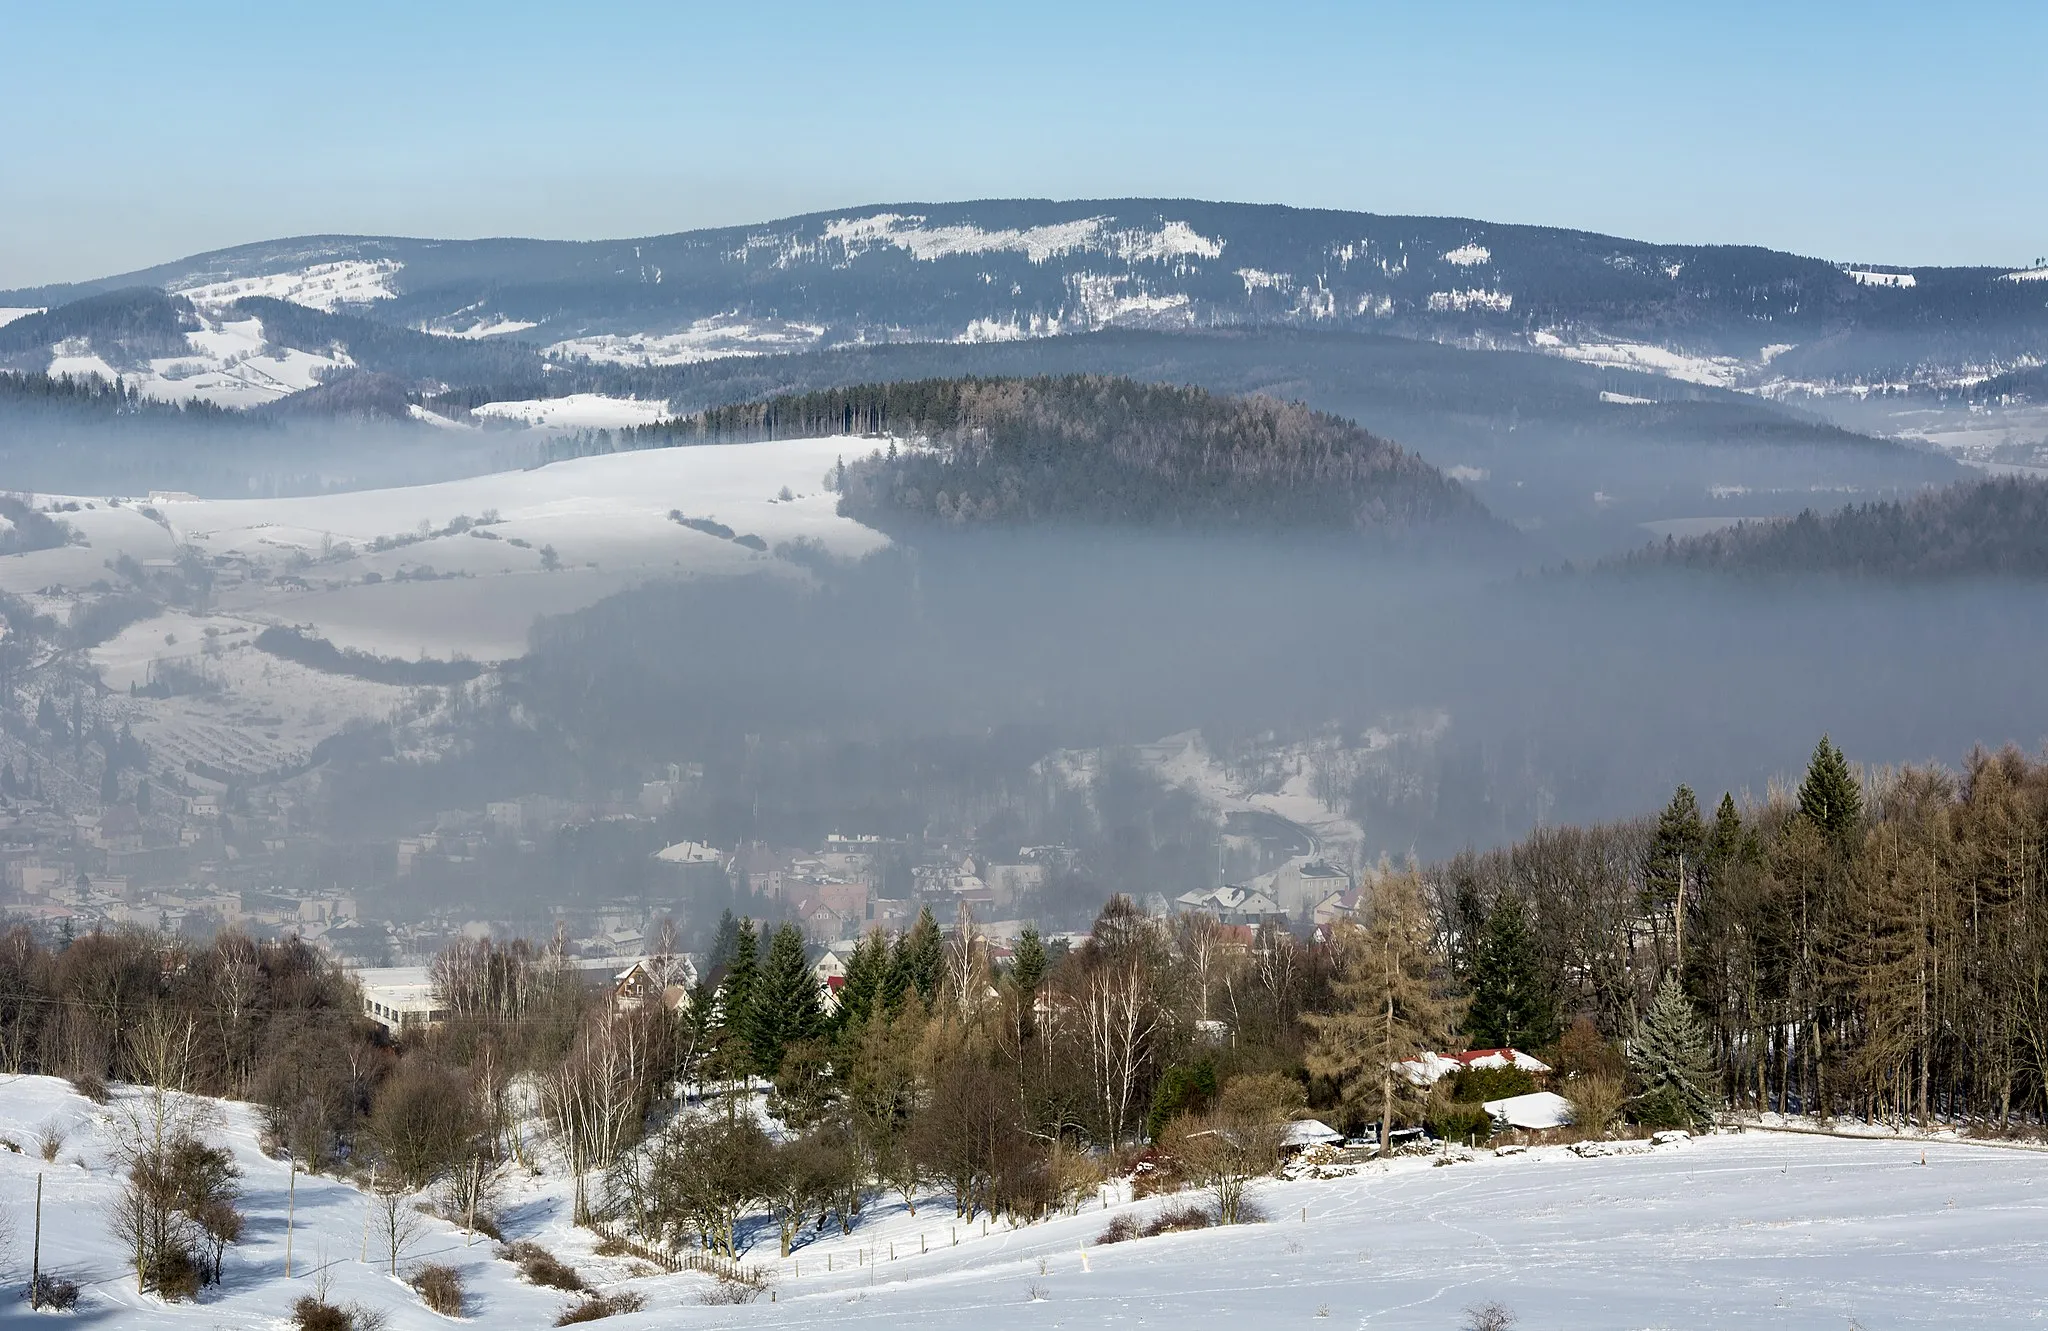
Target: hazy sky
135	133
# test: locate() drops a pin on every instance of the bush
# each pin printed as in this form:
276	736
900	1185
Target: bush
729	1292
1175	1219
1477	1085
1663	1107
315	1314
1597	1100
1457	1122
1119	1230
599	1306
50	1140
440	1288
92	1086
54	1292
611	1245
541	1267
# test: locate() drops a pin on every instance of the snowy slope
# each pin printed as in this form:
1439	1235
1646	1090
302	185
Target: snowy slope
229	364
1730	1231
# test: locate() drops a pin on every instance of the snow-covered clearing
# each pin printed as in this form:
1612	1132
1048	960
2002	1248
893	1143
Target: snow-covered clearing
1754	1229
230	364
579	411
9	313
912	233
1718	371
705	339
322	286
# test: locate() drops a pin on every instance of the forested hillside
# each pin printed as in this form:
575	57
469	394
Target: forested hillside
1997	526
1093	449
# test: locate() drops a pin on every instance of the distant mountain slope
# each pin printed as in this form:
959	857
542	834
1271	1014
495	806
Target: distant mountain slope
1004	269
1089	448
1991	527
1587	453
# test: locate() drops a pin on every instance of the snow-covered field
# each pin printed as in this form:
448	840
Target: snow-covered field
1733	1230
579	411
606	519
229	364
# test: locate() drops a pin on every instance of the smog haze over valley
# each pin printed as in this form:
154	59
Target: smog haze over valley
980	667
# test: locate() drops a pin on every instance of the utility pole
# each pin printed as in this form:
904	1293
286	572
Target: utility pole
35	1261
291	1207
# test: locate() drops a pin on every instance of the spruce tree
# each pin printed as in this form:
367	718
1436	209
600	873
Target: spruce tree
1672	1063
784	1002
867	973
1027	972
1831	798
736	999
1512	1005
924	955
1676	849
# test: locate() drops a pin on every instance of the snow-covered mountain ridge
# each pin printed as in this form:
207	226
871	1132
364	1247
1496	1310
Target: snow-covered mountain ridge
1730	315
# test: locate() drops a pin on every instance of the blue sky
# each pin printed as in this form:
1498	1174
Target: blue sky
135	133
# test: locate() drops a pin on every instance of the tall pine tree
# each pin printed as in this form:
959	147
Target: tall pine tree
867	974
921	956
1831	798
736	1002
784	1002
1027	973
1512	1005
1673	1063
1388	1008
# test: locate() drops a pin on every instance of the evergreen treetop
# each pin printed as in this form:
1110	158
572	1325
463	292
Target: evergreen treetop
1831	798
1512	1003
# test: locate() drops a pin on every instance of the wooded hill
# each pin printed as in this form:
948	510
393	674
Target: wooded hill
1091	448
1997	526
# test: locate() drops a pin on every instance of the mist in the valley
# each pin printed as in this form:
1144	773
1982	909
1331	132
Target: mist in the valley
1473	701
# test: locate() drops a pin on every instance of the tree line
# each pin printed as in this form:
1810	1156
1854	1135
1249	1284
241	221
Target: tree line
1865	945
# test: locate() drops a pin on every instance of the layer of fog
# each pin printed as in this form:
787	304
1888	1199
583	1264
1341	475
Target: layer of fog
1567	698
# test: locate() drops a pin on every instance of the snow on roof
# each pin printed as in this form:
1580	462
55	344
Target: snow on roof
1431	1068
688	852
1310	1132
1537	1110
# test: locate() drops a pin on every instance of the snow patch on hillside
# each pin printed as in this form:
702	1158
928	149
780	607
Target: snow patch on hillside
1013	329
1476	298
1718	371
495	326
579	411
1469	256
1867	277
230	365
1257	279
1103	301
2023	275
1624	400
1096	235
713	338
9	313
323	286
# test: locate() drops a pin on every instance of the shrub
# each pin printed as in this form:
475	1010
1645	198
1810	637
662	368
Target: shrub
1490	1317
440	1288
541	1267
1175	1219
1596	1102
599	1306
315	1314
1457	1122
729	1292
92	1086
54	1292
1120	1229
1477	1085
50	1140
611	1245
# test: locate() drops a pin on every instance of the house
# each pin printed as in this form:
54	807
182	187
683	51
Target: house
638	985
1231	904
400	998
